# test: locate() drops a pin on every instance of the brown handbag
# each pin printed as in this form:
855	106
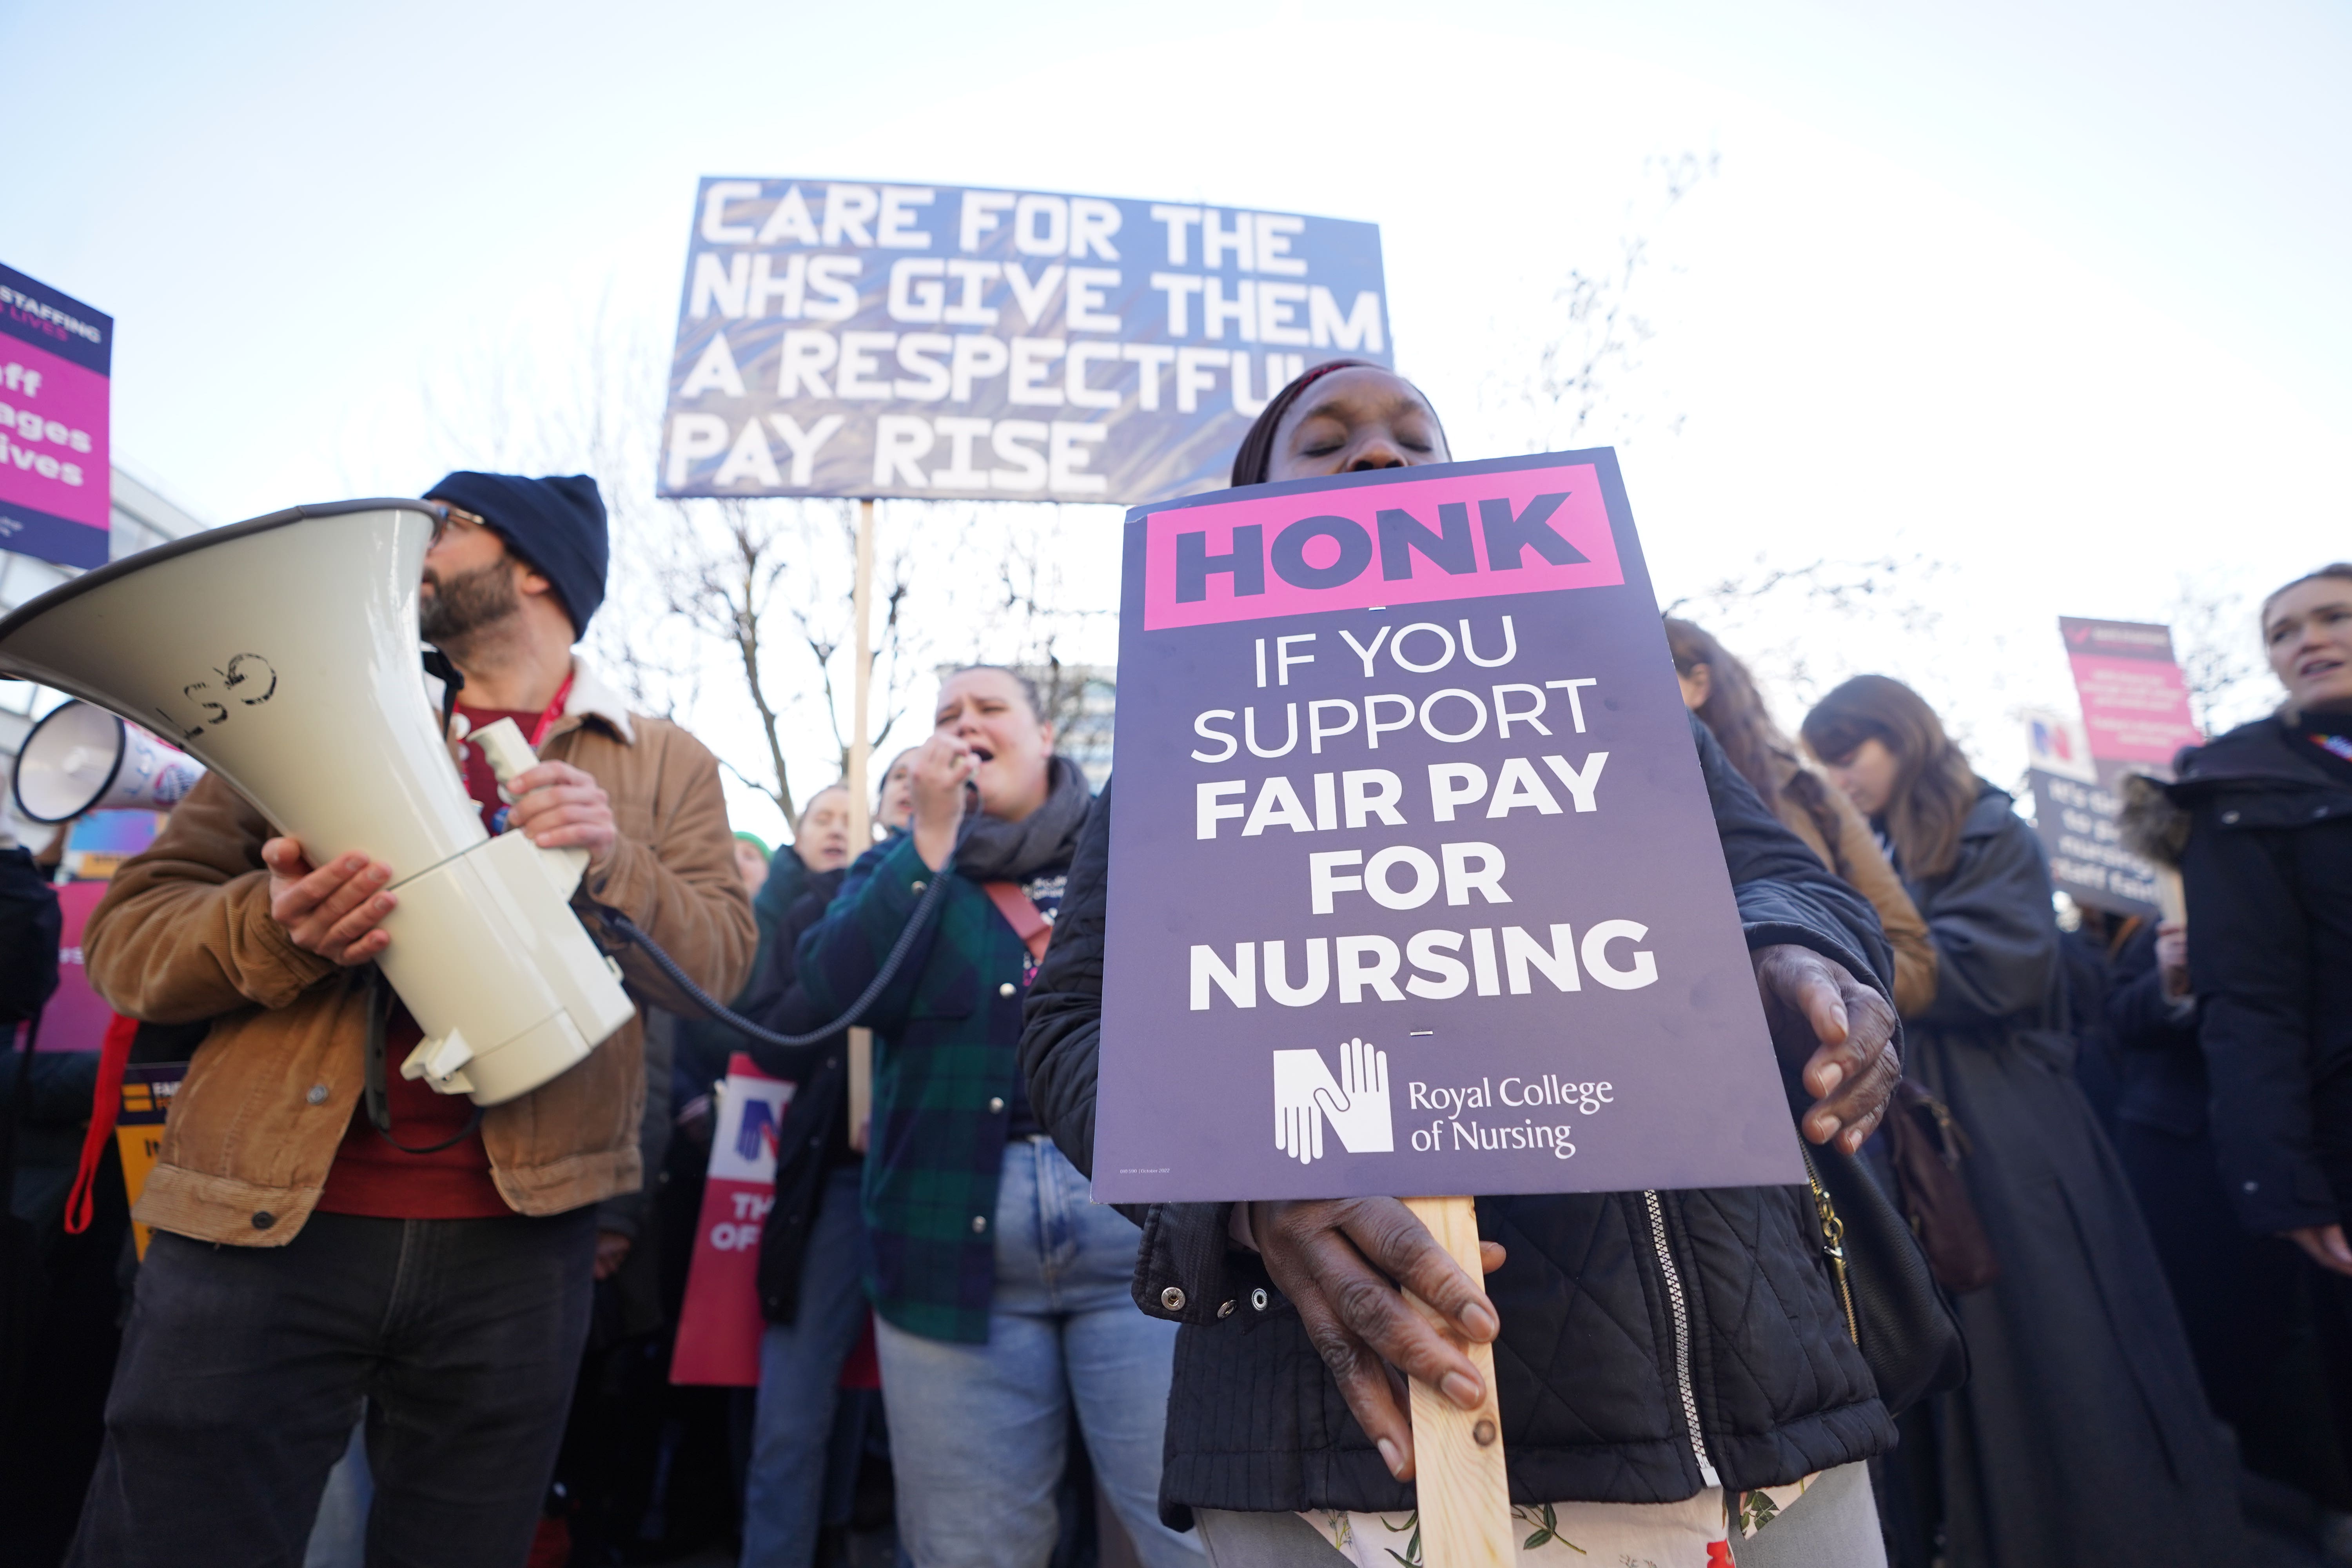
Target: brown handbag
1927	1146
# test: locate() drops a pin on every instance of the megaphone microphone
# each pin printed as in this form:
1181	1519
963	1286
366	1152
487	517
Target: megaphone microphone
282	653
80	758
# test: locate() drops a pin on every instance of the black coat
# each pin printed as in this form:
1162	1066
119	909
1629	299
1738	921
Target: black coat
1586	1366
2082	1435
2268	876
810	1140
2156	1045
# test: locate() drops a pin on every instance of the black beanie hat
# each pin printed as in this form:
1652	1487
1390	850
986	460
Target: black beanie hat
556	524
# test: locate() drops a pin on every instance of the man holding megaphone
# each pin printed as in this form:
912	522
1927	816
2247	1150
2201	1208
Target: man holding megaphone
329	1231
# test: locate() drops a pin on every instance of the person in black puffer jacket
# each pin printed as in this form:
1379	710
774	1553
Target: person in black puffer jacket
2267	868
1677	1349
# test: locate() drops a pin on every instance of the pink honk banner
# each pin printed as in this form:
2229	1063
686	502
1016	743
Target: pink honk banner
1460	535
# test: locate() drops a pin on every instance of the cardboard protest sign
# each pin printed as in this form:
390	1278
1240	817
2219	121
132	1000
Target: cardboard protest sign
718	1323
55	490
2135	698
2135	717
1414	883
146	1100
2088	863
847	338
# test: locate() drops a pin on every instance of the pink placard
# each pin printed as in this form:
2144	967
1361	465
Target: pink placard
2135	709
1516	531
76	1017
53	449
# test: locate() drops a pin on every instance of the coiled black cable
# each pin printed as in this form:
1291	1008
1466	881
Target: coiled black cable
622	927
625	928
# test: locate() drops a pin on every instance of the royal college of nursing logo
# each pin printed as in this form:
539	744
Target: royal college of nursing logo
1355	1103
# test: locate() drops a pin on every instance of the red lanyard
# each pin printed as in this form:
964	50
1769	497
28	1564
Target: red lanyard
554	712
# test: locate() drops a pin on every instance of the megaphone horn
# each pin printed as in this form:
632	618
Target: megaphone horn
80	758
282	653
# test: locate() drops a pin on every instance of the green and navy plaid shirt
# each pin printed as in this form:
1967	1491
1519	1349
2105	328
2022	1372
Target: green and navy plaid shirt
945	1061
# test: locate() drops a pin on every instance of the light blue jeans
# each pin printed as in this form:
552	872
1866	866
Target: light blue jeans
978	1433
800	1384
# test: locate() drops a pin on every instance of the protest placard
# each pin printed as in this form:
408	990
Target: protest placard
2079	831
2135	698
718	1323
56	485
146	1094
2135	717
852	338
1415	888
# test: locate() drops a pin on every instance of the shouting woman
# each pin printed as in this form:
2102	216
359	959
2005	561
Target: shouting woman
1000	1290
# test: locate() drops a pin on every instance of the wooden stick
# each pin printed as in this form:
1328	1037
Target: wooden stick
861	798
1465	1497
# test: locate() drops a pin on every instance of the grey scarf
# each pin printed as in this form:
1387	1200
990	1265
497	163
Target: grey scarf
997	851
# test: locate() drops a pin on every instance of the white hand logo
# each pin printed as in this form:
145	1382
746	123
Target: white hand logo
1356	1103
1299	1078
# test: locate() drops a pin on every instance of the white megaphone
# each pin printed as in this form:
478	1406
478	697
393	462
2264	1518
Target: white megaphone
82	758
283	654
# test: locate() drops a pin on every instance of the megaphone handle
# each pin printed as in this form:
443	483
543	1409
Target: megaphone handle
504	748
380	998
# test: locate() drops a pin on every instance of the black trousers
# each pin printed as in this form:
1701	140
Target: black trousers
244	1369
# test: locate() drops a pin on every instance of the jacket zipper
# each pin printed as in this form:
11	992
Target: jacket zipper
1681	1310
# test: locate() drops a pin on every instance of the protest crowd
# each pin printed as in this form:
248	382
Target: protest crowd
2095	1306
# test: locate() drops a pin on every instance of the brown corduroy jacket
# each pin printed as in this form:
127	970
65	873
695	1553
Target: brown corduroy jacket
185	933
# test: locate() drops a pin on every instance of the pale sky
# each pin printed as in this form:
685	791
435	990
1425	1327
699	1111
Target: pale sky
2049	295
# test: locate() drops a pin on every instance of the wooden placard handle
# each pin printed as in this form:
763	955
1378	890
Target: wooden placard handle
1465	1497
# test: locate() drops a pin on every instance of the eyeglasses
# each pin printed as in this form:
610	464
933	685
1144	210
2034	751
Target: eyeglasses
445	516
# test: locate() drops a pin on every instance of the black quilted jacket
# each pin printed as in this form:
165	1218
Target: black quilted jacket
1597	1402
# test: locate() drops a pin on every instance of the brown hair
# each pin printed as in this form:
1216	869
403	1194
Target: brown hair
1029	692
809	803
1735	713
1935	788
2342	569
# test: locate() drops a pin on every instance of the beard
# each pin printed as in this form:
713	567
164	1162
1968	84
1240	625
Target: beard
461	606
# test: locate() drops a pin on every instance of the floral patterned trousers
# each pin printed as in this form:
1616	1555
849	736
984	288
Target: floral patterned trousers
1825	1521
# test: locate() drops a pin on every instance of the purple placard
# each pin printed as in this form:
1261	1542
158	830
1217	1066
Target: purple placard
1416	889
55	488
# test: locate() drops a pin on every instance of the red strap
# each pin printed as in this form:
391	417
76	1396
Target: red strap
554	712
1021	915
106	1103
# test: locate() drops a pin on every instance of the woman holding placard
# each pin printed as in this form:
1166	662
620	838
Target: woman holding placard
1287	1440
2081	1436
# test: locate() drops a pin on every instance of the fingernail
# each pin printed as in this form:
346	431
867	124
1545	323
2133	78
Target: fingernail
1391	1456
1832	1075
1461	1388
1479	1320
1829	1126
